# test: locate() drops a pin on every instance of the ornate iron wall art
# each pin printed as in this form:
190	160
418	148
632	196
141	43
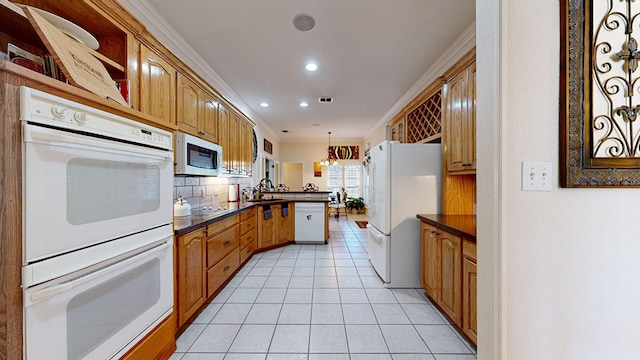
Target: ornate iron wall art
344	152
599	93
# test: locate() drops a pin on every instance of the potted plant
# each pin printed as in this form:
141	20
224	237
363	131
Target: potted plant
355	204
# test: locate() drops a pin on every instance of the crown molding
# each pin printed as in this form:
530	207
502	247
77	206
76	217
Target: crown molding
172	40
461	46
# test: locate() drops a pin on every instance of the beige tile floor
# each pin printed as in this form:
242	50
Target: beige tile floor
316	302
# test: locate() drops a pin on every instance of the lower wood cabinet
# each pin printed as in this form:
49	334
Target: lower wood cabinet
248	234
469	290
441	269
285	224
205	259
266	226
190	282
448	275
222	252
222	270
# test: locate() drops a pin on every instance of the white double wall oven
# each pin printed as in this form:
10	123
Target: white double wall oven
97	268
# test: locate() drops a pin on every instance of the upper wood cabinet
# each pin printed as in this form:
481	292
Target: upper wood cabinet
233	165
460	117
396	131
424	116
236	138
188	105
208	116
197	110
421	120
157	87
224	115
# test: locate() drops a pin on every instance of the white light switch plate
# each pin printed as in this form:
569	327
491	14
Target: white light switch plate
536	176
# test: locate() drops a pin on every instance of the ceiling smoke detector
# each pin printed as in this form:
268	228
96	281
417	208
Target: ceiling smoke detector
303	22
325	99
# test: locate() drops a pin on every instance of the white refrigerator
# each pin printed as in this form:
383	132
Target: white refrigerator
404	181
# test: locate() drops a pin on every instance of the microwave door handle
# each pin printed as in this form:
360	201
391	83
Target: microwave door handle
59	138
87	275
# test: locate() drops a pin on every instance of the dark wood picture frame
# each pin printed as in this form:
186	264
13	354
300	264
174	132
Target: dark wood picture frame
268	146
579	52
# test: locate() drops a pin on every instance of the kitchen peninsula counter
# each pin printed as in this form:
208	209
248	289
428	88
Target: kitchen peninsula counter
187	224
460	225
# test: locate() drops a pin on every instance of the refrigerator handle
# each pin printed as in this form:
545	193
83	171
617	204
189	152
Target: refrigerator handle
375	233
372	192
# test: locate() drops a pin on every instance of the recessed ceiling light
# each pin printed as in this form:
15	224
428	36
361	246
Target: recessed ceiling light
303	22
285	131
303	104
264	104
311	67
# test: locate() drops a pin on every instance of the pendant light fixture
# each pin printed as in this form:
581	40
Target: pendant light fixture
329	159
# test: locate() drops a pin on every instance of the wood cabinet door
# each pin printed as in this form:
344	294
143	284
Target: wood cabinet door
284	225
249	145
208	117
460	121
265	229
456	114
188	105
233	144
430	260
397	131
470	293
276	210
157	87
191	281
470	124
223	134
450	284
242	147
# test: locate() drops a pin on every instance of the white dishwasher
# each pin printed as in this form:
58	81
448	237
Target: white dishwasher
309	221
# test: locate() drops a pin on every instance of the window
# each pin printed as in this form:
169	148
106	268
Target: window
348	177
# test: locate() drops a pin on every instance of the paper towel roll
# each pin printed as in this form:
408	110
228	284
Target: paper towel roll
233	192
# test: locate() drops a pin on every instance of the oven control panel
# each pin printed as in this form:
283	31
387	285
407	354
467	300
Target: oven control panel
39	107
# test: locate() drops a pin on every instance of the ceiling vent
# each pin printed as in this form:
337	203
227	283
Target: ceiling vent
325	99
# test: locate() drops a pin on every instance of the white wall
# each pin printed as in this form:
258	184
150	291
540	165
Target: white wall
567	262
308	152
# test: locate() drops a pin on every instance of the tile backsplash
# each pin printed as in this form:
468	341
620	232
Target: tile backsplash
201	191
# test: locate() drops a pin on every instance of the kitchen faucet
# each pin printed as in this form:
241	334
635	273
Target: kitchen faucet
265	184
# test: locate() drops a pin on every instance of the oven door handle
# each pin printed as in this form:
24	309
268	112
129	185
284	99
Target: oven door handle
88	274
52	137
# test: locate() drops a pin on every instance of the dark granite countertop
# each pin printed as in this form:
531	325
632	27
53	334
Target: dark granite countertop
297	192
199	218
461	225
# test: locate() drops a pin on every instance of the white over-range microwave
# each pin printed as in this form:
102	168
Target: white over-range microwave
195	156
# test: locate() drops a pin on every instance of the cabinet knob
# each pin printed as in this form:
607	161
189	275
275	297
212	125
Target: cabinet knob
226	242
226	268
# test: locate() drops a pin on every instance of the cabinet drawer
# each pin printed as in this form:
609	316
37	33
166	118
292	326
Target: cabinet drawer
221	225
251	213
247	251
247	225
250	237
218	246
218	274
